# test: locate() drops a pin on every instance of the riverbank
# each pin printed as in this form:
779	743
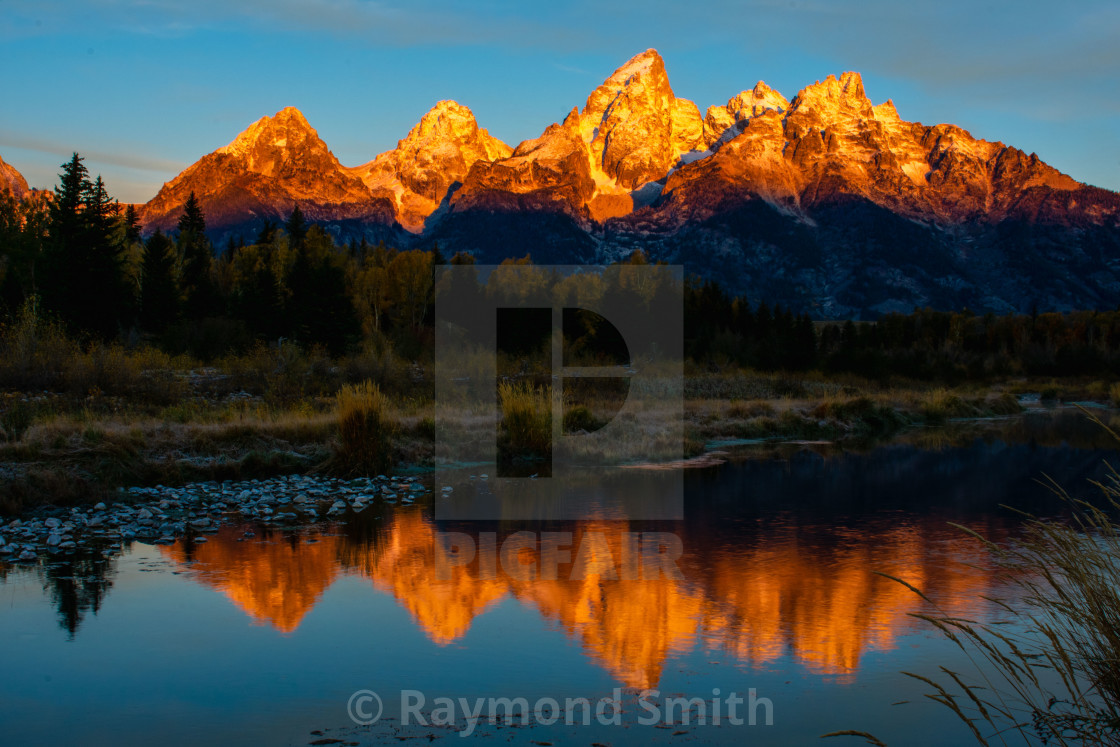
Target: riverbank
272	416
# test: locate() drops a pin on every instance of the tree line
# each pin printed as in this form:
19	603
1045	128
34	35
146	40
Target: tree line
82	259
947	346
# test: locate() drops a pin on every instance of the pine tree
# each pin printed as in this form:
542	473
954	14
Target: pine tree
159	296
84	276
296	227
106	293
131	225
267	233
23	233
195	256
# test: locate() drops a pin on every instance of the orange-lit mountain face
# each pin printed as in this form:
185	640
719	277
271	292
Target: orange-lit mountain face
276	164
12	181
422	171
826	202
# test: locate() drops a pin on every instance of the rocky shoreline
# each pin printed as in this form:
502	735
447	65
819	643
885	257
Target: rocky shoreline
163	515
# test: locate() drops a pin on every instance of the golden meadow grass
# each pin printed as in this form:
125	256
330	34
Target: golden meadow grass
367	427
526	418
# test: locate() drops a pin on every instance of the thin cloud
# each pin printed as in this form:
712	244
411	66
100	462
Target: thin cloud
570	69
111	158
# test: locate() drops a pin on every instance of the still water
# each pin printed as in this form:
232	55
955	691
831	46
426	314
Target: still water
265	640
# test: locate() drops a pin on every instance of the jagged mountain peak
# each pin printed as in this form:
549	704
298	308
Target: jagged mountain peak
635	127
276	131
450	125
833	96
647	63
434	157
274	164
859	210
721	123
640	81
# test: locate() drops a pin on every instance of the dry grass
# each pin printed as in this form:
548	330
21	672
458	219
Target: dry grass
367	428
526	419
1114	394
36	355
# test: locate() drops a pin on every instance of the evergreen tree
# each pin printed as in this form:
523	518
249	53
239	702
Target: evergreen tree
301	299
23	234
84	279
195	257
296	227
258	303
159	296
267	233
131	225
320	312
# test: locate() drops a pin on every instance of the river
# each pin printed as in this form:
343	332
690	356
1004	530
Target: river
266	639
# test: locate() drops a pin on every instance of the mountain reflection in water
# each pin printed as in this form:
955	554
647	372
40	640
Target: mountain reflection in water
810	592
779	560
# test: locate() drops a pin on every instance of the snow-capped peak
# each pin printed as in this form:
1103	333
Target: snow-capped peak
646	62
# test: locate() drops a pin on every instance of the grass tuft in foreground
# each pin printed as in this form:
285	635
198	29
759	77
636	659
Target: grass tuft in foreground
367	428
526	427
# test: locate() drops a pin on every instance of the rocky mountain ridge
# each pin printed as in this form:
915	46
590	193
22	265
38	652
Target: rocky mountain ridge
825	202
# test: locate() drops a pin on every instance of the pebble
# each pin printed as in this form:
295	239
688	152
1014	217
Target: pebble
162	515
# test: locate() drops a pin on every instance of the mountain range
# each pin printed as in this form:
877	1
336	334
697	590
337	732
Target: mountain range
826	203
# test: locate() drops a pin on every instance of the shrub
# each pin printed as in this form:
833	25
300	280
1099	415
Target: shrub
579	418
366	427
16	418
940	405
1005	404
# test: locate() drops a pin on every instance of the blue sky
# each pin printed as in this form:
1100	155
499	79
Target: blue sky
143	88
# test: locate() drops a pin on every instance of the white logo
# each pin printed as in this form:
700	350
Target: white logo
361	707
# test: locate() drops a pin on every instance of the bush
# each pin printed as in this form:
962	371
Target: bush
367	429
16	418
579	418
940	405
1005	404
